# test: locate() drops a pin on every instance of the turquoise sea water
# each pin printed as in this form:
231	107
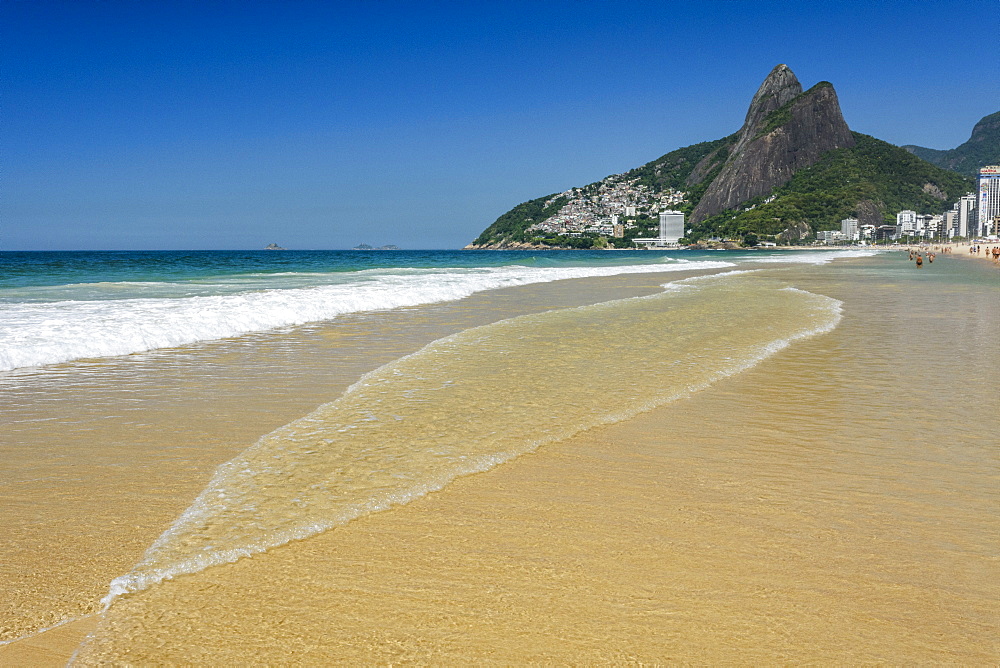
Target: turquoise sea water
62	306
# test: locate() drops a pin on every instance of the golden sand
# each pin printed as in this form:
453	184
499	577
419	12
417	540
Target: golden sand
836	504
100	457
765	520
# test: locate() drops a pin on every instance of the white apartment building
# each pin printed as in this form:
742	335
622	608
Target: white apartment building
967	215
923	222
989	200
671	230
849	228
906	223
671	226
931	227
830	236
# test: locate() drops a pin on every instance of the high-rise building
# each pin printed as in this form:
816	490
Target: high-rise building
989	200
924	225
906	222
671	230
849	228
950	228
671	226
967	216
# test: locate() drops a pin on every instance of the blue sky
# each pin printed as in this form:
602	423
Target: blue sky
127	124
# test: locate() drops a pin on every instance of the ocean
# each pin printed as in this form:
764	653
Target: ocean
176	416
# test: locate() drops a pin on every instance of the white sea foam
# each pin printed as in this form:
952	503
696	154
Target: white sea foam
37	334
815	257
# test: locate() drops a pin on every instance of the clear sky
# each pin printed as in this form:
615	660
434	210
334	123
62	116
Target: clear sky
180	124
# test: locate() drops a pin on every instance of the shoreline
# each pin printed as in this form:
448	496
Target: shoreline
268	380
638	541
962	250
781	534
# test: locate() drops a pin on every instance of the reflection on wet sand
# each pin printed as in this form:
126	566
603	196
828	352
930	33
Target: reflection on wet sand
835	504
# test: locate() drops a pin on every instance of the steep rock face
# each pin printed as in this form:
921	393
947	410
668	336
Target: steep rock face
785	130
779	88
869	213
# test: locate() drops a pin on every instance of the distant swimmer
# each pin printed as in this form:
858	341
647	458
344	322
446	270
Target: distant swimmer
930	257
920	261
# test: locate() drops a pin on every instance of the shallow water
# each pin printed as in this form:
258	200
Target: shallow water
470	401
100	456
835	503
841	494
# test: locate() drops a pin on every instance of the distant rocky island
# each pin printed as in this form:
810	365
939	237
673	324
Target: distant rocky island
366	247
273	246
795	168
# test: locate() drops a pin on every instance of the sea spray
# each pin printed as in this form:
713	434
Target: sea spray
470	401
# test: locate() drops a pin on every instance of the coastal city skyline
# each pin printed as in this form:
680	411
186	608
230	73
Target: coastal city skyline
167	126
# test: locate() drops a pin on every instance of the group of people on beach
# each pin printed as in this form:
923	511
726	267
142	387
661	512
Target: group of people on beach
990	252
918	255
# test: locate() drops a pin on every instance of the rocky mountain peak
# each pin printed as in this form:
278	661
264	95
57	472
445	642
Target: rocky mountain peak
785	130
779	88
986	130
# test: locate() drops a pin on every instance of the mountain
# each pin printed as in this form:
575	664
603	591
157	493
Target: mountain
983	148
785	130
793	168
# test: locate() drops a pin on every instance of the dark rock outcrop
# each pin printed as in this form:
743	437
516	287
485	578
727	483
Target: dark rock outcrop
785	130
869	213
795	233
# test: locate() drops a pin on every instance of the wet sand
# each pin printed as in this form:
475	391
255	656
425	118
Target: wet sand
836	504
101	456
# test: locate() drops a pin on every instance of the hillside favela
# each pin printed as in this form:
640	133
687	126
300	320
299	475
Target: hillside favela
794	174
325	340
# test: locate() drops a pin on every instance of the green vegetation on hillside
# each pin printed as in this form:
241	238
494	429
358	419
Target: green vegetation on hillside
511	225
670	171
871	181
673	169
983	148
873	176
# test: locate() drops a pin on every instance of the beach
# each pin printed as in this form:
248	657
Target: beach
961	249
792	463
